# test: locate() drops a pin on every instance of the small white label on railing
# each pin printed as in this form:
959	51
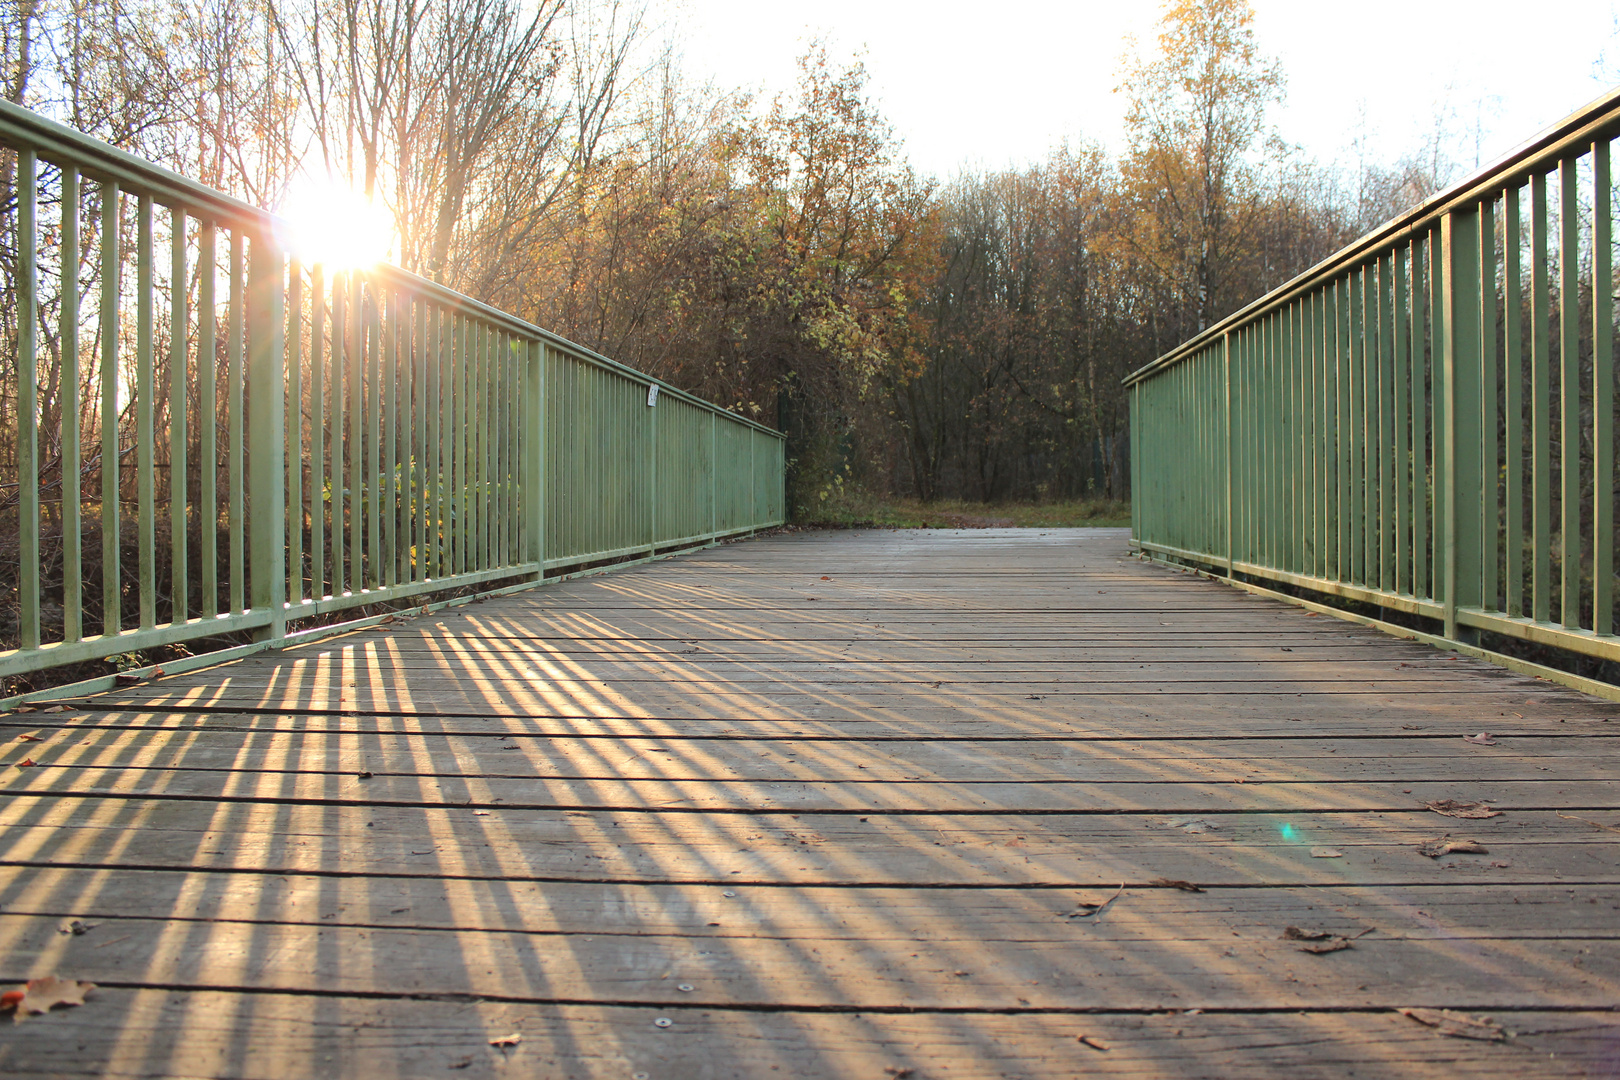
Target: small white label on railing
652	395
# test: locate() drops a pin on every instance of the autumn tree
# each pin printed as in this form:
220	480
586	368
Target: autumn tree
1192	170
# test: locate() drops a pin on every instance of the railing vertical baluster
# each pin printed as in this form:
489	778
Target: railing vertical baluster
72	451
317	432
1386	412
1226	407
1367	461
1401	377
1460	373
498	491
375	346
267	431
355	327
1489	450
1569	393
1438	283
145	435
111	483
1321	336
1419	415
1513	375
1602	393
27	300
1541	401
294	435
337	407
419	485
208	417
388	424
1344	392
233	406
438	400
178	385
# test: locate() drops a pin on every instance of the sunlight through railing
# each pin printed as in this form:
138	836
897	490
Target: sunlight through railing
207	436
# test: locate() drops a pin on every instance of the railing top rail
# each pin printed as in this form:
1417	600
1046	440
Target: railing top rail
1599	119
24	129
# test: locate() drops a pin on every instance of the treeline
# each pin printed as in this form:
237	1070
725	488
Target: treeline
780	257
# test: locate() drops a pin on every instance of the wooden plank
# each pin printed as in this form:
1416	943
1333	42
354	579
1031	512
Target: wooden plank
859	963
201	1034
985	849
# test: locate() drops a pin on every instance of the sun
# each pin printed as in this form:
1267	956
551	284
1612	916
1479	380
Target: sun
327	222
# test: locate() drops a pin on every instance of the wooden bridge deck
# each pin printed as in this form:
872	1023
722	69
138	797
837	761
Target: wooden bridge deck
821	805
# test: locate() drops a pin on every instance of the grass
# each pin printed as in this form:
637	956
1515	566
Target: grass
858	510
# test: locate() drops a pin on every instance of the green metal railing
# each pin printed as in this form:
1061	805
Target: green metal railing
234	441
1425	421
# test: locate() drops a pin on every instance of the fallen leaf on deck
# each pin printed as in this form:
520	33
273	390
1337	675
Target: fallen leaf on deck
128	678
76	928
26	763
1482	739
1453	808
898	1072
57	708
41	995
24	708
1445	845
29	738
1085	910
1321	941
1169	883
1093	1042
1458	1025
1326	853
1192	825
507	1040
157	673
1588	821
825	578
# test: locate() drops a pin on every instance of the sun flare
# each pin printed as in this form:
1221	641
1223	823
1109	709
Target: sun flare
328	222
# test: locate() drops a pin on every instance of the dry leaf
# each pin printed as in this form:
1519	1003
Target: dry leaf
1445	845
1171	883
898	1072
128	678
1482	739
1587	821
1093	1042
29	738
1326	853
1085	909
1453	808
508	1040
57	708
41	995
26	763
1458	1025
1321	941
24	708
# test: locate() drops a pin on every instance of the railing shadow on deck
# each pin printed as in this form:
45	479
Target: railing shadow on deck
1423	424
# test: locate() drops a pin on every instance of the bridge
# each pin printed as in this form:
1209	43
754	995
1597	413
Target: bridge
518	766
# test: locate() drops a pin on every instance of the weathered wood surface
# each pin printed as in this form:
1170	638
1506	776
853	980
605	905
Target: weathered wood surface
829	804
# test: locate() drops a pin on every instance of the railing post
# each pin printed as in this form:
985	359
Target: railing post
1226	378
534	465
1461	371
267	432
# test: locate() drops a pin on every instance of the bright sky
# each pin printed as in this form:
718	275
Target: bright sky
998	84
